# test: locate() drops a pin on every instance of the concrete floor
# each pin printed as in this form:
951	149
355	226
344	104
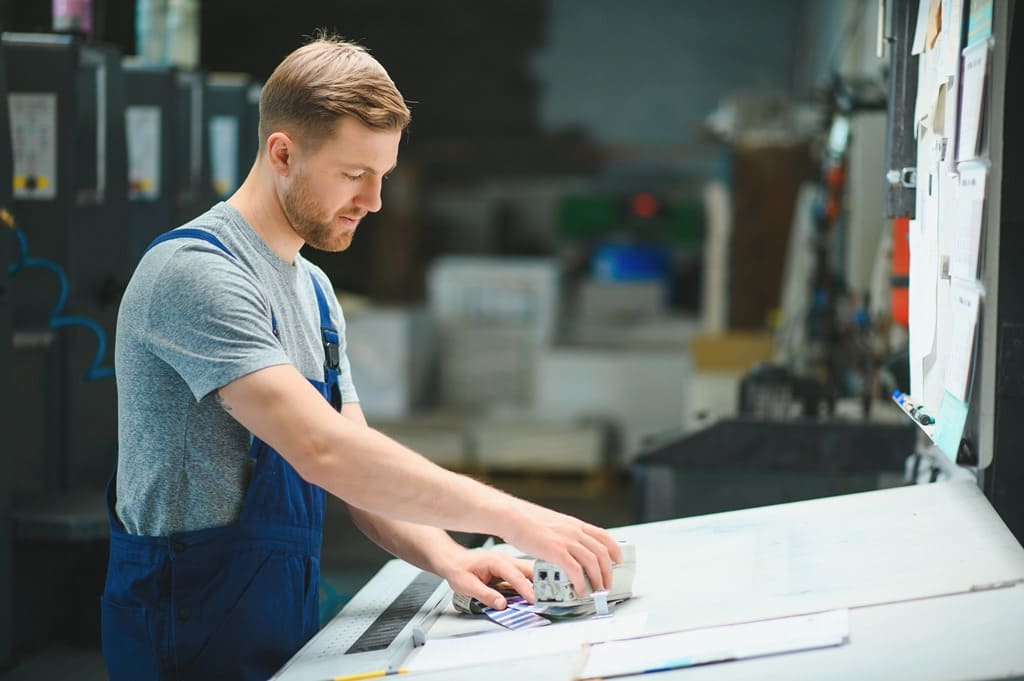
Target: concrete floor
349	559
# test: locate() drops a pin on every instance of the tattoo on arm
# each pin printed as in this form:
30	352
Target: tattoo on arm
222	402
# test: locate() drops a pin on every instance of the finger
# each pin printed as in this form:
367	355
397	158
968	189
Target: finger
471	586
525	566
572	568
590	564
614	549
604	560
512	573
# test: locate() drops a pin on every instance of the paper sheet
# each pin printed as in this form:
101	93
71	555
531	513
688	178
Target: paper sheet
934	23
716	644
973	92
927	88
949	425
965	299
921	29
963	262
952	21
979	26
464	651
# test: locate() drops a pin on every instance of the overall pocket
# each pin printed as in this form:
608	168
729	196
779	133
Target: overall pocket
250	631
127	642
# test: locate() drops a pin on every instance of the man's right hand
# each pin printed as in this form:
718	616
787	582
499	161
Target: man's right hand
568	542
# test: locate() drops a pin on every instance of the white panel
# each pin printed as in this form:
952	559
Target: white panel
34	141
144	158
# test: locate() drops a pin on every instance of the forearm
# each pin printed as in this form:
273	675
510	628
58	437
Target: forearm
372	472
428	548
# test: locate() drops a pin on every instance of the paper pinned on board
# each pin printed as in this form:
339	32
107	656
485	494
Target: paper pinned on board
963	262
965	302
979	26
949	426
950	42
921	29
934	26
923	295
971	100
714	644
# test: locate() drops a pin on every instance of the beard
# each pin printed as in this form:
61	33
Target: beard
310	222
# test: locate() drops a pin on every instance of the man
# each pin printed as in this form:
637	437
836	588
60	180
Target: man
231	372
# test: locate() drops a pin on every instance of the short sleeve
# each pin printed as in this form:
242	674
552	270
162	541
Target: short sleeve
208	320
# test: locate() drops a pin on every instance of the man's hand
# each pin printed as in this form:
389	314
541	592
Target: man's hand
471	573
568	542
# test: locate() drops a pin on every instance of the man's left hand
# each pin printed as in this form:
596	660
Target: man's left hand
471	573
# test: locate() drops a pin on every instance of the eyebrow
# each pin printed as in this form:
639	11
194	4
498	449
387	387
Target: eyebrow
368	168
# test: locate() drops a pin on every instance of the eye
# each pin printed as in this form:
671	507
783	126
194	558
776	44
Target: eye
354	178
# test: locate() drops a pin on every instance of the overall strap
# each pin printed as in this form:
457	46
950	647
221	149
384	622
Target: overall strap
203	235
190	233
332	347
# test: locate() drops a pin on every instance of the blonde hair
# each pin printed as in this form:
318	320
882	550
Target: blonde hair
322	81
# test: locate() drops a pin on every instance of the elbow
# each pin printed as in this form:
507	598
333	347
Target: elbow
313	458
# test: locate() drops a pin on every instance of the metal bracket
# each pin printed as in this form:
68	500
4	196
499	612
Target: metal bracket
907	177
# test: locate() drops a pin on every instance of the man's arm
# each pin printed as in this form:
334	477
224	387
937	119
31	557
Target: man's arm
433	549
370	471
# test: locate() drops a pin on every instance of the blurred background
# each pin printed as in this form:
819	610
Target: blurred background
633	263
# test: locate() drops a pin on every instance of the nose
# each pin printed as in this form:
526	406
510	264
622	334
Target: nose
369	196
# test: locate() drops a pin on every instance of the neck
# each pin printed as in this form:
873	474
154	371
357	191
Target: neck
259	204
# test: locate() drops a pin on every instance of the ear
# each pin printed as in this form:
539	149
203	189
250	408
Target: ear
281	151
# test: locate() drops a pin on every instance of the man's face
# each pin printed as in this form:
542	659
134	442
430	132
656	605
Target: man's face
332	187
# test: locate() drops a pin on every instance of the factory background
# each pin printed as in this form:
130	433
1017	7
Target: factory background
634	262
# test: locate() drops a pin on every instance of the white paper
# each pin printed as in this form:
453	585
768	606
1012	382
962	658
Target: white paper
34	144
464	651
952	21
923	295
951	125
144	159
224	154
922	27
927	88
975	68
970	203
716	644
964	298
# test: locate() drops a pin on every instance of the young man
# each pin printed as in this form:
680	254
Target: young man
231	373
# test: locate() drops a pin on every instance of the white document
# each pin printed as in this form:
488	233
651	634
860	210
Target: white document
224	154
144	158
952	21
972	96
922	27
970	203
927	88
965	298
924	274
464	651
717	644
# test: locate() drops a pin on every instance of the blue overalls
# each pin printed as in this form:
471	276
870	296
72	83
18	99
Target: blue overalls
230	602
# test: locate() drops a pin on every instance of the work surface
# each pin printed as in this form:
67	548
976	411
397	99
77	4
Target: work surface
933	579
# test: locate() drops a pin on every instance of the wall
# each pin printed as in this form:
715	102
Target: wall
646	72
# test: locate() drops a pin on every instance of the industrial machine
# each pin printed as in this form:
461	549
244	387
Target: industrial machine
7	250
154	169
230	132
195	193
69	185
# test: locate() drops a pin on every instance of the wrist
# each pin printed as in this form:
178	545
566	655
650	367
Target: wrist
444	555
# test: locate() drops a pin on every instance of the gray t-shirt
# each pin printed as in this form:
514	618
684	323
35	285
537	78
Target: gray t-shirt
192	320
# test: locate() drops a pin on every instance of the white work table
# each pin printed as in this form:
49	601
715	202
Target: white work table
933	580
